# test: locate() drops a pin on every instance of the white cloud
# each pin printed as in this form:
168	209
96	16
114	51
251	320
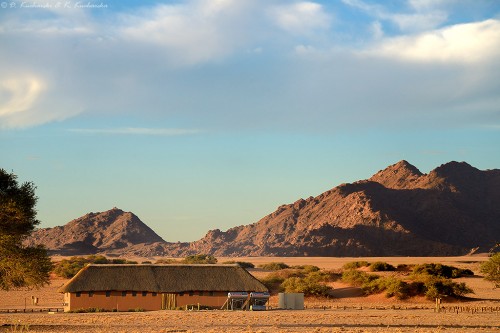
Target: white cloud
24	103
305	50
418	21
137	131
226	64
300	18
19	94
52	17
470	42
424	16
194	32
27	100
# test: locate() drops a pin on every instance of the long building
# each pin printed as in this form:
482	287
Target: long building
155	287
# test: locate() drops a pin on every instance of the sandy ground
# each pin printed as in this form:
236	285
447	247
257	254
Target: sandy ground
349	311
268	321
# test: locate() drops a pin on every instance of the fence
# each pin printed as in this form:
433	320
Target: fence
31	310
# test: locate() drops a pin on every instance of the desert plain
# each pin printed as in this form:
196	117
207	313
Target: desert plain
347	311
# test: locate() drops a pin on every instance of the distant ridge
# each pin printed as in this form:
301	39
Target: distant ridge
96	232
399	211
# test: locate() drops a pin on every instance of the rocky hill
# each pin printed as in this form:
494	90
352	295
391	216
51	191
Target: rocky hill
399	211
113	230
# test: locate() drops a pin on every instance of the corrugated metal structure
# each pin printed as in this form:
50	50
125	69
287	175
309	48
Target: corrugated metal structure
291	301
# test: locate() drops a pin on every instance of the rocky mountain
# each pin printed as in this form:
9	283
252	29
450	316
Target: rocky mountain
399	211
112	230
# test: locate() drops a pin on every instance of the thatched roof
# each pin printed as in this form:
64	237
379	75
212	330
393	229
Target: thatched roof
163	278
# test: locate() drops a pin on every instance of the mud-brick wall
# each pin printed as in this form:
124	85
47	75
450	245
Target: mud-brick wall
114	300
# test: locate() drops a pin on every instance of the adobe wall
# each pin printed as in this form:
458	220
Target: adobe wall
114	301
217	300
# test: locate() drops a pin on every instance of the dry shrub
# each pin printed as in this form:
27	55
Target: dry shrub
355	264
380	266
274	266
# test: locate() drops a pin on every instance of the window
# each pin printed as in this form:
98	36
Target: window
91	293
144	293
191	293
124	293
210	293
134	293
200	293
181	294
108	293
153	294
78	294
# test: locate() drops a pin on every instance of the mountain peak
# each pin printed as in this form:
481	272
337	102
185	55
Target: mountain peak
94	232
455	168
398	176
399	211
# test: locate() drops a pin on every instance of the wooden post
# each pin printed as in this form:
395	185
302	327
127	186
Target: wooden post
223	305
438	305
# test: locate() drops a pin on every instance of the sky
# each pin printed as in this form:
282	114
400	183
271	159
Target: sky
205	114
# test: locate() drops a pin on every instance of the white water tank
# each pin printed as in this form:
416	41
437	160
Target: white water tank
291	301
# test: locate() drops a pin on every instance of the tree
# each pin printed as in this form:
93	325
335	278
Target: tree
491	269
20	266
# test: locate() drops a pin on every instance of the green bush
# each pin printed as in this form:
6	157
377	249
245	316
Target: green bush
243	264
356	264
273	281
457	273
200	259
307	285
274	266
136	310
373	284
320	276
88	310
380	266
307	268
357	278
437	286
440	270
422	284
97	259
394	287
67	268
491	269
404	268
167	261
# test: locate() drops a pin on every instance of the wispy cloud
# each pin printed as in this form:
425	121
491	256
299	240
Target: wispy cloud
423	17
469	43
237	64
302	18
19	94
136	131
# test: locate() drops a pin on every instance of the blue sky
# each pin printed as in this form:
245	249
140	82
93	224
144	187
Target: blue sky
203	114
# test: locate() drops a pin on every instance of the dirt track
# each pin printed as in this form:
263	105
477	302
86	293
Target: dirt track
351	320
